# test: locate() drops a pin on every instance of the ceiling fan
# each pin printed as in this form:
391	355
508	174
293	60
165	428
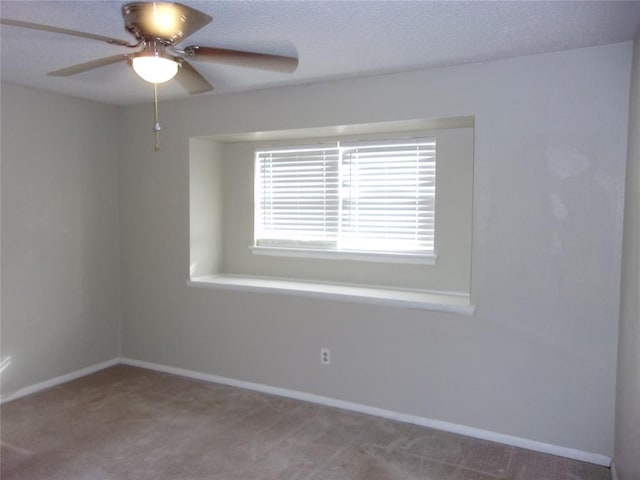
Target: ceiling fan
157	28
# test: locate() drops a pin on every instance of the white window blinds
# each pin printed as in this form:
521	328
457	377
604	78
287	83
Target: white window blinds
297	197
365	196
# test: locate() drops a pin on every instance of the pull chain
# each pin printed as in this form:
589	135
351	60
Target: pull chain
156	125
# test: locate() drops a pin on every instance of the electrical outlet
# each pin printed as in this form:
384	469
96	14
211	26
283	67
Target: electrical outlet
325	356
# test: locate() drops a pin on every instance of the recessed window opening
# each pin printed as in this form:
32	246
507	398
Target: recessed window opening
368	196
249	230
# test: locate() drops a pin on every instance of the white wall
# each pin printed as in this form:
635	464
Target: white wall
205	198
538	358
60	276
627	434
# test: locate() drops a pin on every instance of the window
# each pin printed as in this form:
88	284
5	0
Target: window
348	197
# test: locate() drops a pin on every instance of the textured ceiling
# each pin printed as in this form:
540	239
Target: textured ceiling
333	39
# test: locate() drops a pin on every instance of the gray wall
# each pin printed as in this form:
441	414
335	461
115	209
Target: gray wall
60	277
627	437
538	358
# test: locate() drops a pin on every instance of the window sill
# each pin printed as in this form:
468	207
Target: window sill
346	255
450	302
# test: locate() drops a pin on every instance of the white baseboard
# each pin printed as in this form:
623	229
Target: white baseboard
58	380
589	457
614	472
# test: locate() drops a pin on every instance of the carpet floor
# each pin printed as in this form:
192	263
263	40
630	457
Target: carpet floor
131	423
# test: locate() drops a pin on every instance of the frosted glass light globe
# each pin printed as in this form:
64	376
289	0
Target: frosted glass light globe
155	69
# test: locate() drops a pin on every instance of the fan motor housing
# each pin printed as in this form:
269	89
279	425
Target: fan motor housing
164	22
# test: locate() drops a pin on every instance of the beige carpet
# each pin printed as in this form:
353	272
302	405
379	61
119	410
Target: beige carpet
131	423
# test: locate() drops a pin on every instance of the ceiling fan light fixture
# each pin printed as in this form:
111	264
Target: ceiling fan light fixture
155	68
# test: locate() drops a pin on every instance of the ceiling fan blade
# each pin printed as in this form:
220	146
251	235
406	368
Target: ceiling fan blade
65	31
264	61
191	79
83	67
